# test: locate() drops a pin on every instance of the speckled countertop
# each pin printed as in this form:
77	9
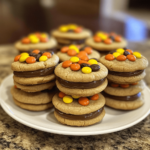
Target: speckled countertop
15	136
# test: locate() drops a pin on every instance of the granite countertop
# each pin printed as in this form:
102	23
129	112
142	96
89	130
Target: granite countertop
16	136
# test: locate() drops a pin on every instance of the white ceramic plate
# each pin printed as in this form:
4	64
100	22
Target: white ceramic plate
113	121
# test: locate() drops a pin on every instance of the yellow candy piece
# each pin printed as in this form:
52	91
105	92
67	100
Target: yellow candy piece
116	54
86	70
67	99
75	97
31	36
35	40
74	47
102	35
92	61
120	50
72	26
23	58
43	58
137	54
74	59
63	28
24	54
44	35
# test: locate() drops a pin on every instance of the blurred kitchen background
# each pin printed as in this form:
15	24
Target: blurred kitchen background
130	18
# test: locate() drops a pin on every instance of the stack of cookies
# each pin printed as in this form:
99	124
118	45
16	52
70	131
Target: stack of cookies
126	71
36	40
85	53
105	42
80	82
33	80
71	34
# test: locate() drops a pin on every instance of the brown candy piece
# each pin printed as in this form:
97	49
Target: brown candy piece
126	53
84	65
95	67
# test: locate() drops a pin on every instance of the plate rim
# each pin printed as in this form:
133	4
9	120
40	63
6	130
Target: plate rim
5	108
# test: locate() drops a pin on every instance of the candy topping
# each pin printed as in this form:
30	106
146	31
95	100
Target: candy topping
75	67
43	58
86	70
66	64
17	58
121	58
61	94
92	61
95	97
109	57
67	99
122	85
137	54
30	60
74	59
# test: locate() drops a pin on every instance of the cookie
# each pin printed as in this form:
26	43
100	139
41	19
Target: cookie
83	78
73	50
31	107
35	98
78	111
35	88
103	41
71	34
34	68
125	66
38	40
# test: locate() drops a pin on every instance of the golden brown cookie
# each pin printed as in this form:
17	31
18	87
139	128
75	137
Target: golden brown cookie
78	111
35	88
31	107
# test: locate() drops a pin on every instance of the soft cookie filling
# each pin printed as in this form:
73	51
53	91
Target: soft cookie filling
37	73
126	74
123	98
80	85
81	41
80	117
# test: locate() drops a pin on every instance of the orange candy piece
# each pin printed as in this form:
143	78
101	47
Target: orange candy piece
71	52
121	58
15	86
49	55
36	51
95	97
61	94
38	35
88	50
97	39
124	85
78	30
64	49
130	51
112	34
109	57
83	101
118	38
134	83
30	60
17	58
43	39
131	57
25	40
83	55
108	41
83	61
114	85
66	64
75	67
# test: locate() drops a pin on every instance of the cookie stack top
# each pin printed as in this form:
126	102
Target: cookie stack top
36	40
125	66
67	52
103	41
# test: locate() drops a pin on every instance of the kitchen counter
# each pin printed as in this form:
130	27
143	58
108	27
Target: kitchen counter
16	136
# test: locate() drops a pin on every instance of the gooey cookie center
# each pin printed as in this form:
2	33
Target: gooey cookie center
37	73
80	85
126	74
122	98
80	117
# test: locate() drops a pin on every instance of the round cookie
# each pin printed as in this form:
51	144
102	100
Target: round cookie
71	34
92	113
124	90
35	88
72	51
124	105
35	67
125	66
106	42
40	41
36	98
31	107
80	83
